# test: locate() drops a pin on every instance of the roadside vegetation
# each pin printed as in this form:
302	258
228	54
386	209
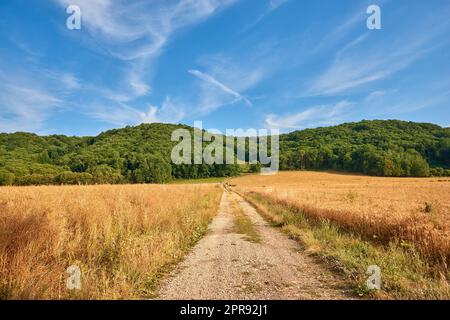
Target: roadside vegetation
123	238
351	228
243	224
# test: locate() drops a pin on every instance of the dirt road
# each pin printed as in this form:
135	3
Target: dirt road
224	265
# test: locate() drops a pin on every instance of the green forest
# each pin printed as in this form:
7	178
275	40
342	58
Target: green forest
378	147
141	154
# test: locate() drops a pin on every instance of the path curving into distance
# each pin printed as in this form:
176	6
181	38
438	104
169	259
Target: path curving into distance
224	265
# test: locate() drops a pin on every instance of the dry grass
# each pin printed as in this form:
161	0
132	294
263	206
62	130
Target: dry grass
122	237
405	273
407	210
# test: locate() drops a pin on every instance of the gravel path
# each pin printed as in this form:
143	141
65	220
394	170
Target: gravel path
223	265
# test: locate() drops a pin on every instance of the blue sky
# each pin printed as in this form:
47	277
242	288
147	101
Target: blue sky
286	64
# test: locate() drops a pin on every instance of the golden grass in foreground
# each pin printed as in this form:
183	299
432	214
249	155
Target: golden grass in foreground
354	221
405	274
122	237
408	210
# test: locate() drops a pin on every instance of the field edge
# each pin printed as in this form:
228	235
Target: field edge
405	274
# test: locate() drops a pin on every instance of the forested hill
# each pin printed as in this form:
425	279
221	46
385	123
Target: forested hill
138	154
378	147
142	154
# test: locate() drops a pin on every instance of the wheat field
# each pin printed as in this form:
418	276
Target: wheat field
406	210
121	237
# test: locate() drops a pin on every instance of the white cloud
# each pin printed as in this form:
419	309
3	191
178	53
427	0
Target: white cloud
130	31
412	104
362	61
70	81
119	115
139	87
355	69
340	30
30	96
374	95
25	107
242	72
136	34
124	114
313	116
377	93
209	79
172	111
272	6
224	82
275	4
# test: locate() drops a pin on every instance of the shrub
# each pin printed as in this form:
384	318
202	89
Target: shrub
69	177
437	172
35	180
6	178
104	174
255	167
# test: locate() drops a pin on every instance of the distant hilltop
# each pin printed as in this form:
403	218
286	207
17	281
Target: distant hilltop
141	154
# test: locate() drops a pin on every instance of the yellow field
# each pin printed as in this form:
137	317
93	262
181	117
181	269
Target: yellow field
416	210
121	237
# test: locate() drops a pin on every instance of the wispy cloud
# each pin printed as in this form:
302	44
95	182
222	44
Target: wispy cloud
272	5
70	81
410	105
275	4
138	85
66	80
124	114
341	30
313	116
356	69
140	30
112	78
375	94
361	61
25	107
136	34
209	79
30	96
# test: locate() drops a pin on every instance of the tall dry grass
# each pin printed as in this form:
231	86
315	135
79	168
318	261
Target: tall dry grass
409	211
121	237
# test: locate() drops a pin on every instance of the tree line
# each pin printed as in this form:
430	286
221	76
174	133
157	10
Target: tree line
141	154
381	148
